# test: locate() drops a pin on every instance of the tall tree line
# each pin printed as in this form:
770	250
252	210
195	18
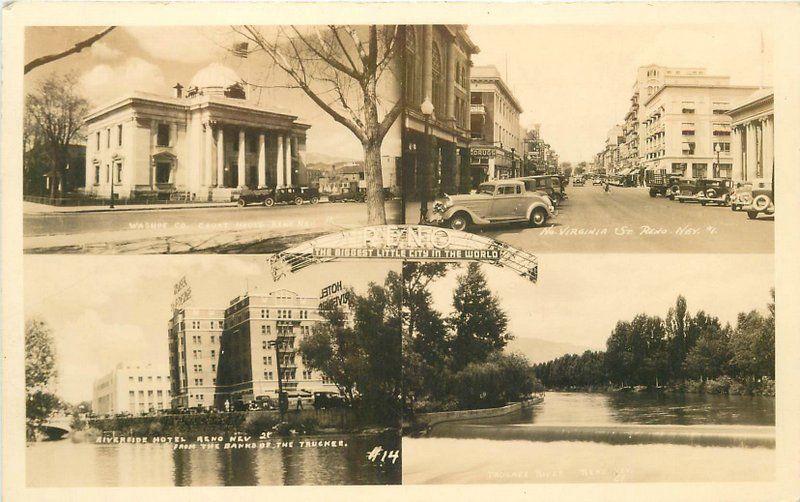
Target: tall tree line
652	351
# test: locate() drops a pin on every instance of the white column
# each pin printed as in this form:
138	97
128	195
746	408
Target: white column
281	167
768	146
736	154
208	158
240	161
262	160
220	156
750	151
288	161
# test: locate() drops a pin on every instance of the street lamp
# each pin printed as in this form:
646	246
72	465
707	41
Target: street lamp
427	111
412	153
718	149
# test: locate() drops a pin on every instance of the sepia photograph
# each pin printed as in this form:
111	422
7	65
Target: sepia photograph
205	372
588	375
663	144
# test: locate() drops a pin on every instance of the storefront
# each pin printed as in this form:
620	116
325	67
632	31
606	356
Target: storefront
490	163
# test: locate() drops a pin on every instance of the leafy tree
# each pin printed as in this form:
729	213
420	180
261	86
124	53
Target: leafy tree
478	323
40	372
677	322
54	112
753	346
710	357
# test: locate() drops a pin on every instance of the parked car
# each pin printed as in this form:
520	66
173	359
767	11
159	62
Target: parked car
347	195
323	400
578	182
294	195
256	196
687	190
597	181
545	185
742	195
716	191
662	183
497	201
761	199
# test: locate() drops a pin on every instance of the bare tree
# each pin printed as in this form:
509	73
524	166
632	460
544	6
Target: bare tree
83	44
341	69
56	111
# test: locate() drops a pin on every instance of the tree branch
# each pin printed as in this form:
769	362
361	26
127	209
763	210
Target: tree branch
73	50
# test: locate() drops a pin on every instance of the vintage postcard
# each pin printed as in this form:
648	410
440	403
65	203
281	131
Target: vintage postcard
358	251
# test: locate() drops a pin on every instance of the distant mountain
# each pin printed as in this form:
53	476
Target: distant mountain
324	158
540	351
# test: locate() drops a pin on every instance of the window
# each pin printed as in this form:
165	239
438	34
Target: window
163	171
131	394
699	170
725	147
119	135
130	379
162	137
108	138
141	379
688	148
118	171
438	81
96	175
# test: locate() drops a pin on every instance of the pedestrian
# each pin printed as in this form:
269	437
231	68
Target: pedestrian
299	404
227	405
607	188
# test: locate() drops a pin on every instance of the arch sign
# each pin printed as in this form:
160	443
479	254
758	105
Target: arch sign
406	243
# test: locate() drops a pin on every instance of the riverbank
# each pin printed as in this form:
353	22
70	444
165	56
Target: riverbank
726	386
420	423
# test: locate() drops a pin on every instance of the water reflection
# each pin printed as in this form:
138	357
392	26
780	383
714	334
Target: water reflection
63	463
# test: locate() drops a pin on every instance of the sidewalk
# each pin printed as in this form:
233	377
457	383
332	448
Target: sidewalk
36	208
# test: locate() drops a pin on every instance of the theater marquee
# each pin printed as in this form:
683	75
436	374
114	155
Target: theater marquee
407	243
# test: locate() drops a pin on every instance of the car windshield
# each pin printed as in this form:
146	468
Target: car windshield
486	188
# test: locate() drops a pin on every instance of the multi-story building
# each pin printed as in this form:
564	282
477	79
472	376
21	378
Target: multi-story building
753	143
132	388
194	350
496	135
261	337
200	145
437	60
685	123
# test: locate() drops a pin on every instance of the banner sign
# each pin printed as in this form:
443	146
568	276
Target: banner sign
181	293
478	151
403	242
335	293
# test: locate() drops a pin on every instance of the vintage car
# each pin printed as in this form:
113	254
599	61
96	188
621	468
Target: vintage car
687	190
716	191
543	184
742	195
662	183
295	195
256	196
498	201
578	182
761	199
348	195
597	181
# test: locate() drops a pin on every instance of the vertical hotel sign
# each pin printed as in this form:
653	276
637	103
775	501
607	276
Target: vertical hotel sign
335	293
181	293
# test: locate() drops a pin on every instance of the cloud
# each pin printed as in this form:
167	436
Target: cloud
103	52
103	82
184	44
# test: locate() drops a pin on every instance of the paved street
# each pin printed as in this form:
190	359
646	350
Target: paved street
216	229
628	220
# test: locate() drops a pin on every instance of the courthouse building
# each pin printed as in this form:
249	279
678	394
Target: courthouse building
203	143
194	347
436	65
753	122
131	388
496	135
260	329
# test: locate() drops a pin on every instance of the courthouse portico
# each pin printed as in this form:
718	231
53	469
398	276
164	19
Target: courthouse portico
202	144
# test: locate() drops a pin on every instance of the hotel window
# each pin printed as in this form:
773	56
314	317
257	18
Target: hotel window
688	107
438	81
119	135
688	148
699	170
130	379
97	141
724	147
141	379
687	128
162	135
725	170
141	394
149	393
264	344
108	138
131	394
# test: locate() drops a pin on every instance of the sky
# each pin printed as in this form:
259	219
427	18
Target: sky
576	81
154	59
579	298
100	317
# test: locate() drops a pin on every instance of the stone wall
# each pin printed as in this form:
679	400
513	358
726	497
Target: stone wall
428	420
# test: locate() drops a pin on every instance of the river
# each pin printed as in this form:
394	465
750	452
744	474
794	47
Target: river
594	437
65	463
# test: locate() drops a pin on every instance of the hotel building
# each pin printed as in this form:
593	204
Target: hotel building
753	144
261	337
202	144
194	350
436	67
131	388
496	135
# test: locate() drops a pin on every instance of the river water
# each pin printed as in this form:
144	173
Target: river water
64	463
543	444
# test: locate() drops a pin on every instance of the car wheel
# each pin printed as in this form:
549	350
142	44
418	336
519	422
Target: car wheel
459	221
242	203
752	214
298	201
653	193
269	202
314	200
761	203
538	217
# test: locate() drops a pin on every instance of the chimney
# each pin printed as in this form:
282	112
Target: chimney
178	90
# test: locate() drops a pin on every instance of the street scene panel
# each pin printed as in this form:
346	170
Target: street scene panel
501	136
589	375
207	139
207	372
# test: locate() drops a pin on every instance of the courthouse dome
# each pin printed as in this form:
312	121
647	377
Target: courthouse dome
214	75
